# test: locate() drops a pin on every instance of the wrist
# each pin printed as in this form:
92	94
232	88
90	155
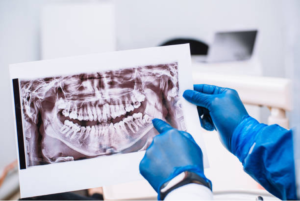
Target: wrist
244	136
182	179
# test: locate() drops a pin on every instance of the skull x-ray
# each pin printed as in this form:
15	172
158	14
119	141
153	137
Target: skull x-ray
87	115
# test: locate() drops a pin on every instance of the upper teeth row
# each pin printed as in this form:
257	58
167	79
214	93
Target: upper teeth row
99	113
133	123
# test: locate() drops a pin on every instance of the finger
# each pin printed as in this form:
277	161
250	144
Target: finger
205	119
208	89
197	98
189	136
161	126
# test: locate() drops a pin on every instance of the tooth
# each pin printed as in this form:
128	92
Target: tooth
93	139
61	104
146	119
94	113
135	102
80	114
82	131
97	130
105	112
71	130
93	130
139	96
89	112
121	109
123	128
73	114
76	129
68	123
133	123
117	110
85	114
98	112
103	135
112	111
65	113
128	106
127	121
117	127
65	129
87	133
137	118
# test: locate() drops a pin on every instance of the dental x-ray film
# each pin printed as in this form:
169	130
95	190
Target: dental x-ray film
91	115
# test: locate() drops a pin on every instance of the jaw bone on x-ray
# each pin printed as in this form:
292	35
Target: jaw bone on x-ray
87	115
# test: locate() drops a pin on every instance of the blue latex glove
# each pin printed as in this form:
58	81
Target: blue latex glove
219	108
171	153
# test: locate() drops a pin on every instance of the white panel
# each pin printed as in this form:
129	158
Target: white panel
76	29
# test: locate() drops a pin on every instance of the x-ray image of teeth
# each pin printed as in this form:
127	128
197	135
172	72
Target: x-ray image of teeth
75	117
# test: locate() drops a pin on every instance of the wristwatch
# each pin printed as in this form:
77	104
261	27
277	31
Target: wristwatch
181	180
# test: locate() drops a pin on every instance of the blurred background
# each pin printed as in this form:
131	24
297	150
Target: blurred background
217	31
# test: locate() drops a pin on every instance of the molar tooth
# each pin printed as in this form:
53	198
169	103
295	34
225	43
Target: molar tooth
68	123
123	128
65	113
136	104
137	118
87	133
121	109
117	110
146	119
129	108
82	131
76	129
128	122
61	104
139	96
73	114
133	123
65	129
117	127
133	100
71	130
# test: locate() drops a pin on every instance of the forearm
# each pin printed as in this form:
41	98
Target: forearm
190	192
267	156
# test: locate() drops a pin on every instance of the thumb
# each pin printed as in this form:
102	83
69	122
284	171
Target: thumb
197	98
161	126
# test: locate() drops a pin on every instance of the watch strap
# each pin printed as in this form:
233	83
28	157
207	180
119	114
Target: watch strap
189	177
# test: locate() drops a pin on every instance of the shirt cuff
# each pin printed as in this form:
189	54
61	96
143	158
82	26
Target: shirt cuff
190	192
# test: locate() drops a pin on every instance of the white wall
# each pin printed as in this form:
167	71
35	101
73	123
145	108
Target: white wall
149	23
139	24
18	43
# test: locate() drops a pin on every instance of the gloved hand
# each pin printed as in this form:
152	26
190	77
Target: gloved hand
219	108
171	153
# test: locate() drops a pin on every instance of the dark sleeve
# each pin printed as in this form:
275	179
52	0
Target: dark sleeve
267	156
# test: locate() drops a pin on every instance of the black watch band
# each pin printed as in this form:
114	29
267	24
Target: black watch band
187	178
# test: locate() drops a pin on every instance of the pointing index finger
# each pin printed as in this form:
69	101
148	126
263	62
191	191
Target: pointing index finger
161	126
